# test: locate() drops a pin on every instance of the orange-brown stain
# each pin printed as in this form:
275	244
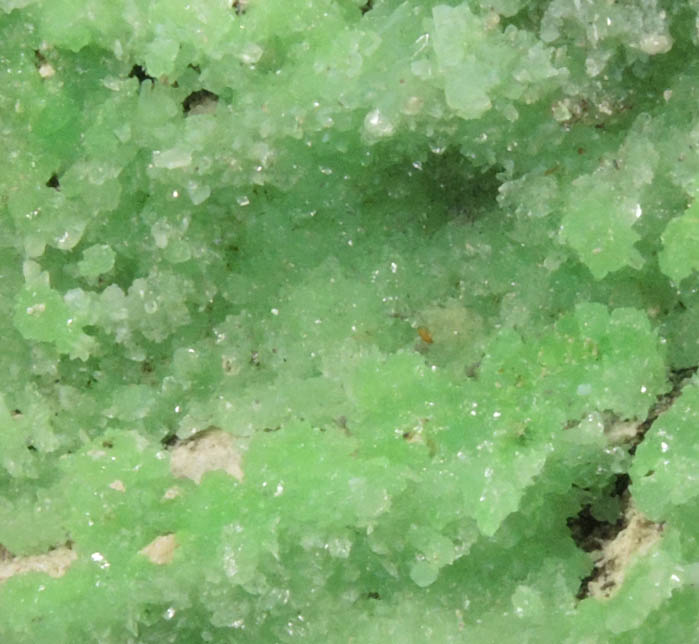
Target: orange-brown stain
425	334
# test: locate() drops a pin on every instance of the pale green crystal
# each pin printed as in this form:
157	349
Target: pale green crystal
680	255
422	277
664	472
96	260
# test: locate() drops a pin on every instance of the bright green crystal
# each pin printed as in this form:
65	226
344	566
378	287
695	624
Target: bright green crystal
335	321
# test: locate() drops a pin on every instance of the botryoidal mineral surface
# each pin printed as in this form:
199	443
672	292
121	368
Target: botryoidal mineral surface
345	321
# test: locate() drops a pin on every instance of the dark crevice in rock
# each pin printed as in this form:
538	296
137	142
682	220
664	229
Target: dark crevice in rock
621	484
202	101
636	536
678	378
584	590
139	72
589	532
169	440
53	182
615	541
42	64
593	535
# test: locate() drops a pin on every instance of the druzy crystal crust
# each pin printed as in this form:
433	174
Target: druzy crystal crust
346	321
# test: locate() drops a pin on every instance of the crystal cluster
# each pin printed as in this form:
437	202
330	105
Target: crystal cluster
346	321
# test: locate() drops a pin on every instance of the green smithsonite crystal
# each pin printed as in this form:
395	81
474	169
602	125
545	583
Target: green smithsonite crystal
345	321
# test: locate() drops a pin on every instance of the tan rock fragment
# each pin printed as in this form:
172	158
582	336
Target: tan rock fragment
171	493
622	431
161	550
117	485
212	449
54	563
636	539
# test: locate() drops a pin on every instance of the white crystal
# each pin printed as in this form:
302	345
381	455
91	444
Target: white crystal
172	158
377	125
653	44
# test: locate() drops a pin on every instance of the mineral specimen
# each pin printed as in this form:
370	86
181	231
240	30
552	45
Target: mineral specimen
347	321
